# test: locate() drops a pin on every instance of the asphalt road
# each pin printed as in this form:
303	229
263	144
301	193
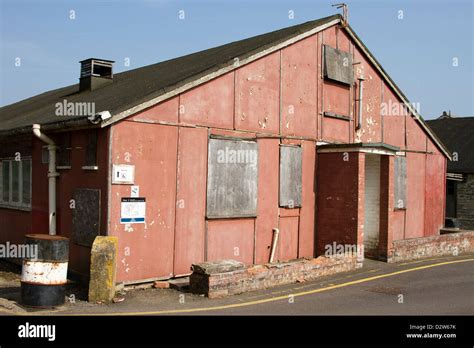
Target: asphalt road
439	286
442	290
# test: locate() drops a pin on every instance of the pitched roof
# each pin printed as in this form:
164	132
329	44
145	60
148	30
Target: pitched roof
137	89
457	133
135	86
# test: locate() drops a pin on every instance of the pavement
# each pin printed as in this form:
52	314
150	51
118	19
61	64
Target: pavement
436	286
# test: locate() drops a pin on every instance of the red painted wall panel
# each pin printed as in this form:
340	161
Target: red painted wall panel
393	119
211	104
335	130
330	36
15	224
257	91
146	250
398	224
165	111
190	199
434	205
232	133
415	211
371	131
343	40
230	239
288	240
307	210
299	74
285	212
416	138
336	98
267	205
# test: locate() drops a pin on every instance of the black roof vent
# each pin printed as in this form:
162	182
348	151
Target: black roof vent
95	73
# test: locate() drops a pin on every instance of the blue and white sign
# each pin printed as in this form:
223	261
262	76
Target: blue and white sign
132	210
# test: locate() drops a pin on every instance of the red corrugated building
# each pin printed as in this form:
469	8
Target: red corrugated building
216	149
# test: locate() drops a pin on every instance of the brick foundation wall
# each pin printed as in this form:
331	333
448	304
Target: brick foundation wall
445	244
230	277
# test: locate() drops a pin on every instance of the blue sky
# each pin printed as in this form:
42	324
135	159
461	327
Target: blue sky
418	51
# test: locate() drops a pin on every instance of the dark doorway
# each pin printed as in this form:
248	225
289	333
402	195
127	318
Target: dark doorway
451	198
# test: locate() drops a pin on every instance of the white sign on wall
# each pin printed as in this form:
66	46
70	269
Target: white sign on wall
134	191
123	174
132	210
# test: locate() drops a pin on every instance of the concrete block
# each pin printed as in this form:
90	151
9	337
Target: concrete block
102	271
221	266
161	284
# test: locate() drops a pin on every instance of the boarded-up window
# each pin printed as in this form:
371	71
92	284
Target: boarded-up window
91	149
290	176
400	182
232	178
86	216
337	65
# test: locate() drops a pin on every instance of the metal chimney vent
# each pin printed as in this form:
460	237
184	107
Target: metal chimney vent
95	73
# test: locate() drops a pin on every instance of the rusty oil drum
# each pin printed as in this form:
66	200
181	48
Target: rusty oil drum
44	278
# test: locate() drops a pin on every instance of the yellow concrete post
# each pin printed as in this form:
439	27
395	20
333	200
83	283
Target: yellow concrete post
102	271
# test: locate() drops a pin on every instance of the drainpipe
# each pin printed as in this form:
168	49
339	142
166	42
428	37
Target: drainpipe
359	116
52	174
276	233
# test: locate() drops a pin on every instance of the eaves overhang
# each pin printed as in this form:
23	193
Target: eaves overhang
371	148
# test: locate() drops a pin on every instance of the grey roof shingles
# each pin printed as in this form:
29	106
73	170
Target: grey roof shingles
136	86
457	134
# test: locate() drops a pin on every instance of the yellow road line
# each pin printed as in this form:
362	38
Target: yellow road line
423	260
271	299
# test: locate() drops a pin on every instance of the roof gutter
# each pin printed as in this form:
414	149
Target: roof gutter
52	174
79	123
